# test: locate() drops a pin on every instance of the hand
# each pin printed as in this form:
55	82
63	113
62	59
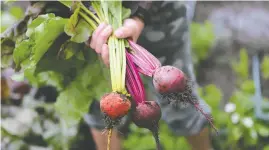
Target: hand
131	28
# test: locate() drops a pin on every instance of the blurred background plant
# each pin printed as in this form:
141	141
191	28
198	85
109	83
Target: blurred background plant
35	125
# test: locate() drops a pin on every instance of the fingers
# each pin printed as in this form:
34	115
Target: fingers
123	32
98	41
95	34
105	54
102	38
126	30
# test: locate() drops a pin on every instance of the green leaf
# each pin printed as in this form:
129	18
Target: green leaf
115	9
83	32
80	56
212	95
241	67
70	27
73	102
17	12
248	87
265	67
7	47
125	13
263	130
266	147
236	133
242	101
42	34
78	29
69	49
22	51
202	37
36	22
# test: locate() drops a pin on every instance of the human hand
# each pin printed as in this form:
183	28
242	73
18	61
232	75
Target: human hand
132	28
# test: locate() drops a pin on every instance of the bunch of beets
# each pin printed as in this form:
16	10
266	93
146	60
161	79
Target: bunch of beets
170	82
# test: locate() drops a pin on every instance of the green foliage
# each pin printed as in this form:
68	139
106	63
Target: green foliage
265	67
47	127
16	12
53	55
77	28
241	67
73	102
266	147
8	18
202	38
237	121
141	139
48	58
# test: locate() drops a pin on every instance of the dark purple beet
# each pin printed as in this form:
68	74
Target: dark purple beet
169	79
147	115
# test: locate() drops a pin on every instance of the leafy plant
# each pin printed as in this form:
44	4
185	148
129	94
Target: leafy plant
202	38
265	67
240	129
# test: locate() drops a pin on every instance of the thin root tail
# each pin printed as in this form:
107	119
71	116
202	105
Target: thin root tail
109	138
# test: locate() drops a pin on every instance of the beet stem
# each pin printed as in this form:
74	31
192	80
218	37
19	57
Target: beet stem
134	81
141	57
155	134
208	118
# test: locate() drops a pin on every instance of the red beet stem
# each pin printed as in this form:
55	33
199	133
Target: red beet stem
146	62
155	134
208	118
134	82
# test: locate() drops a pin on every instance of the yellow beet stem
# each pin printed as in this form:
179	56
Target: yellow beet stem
111	56
124	64
116	46
109	138
118	67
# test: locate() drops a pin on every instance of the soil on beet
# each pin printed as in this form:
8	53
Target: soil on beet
114	106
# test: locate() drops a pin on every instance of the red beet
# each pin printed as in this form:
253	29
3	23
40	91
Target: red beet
147	115
169	79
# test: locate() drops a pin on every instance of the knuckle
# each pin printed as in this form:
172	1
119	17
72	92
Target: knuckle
103	35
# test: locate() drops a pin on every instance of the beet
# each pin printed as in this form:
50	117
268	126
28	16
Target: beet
169	79
114	106
175	88
147	115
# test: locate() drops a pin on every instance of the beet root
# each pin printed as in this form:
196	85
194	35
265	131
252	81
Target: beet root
147	115
169	79
172	84
176	88
114	106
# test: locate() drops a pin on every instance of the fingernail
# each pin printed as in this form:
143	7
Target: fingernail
119	33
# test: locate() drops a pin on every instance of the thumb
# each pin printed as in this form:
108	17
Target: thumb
128	30
123	32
